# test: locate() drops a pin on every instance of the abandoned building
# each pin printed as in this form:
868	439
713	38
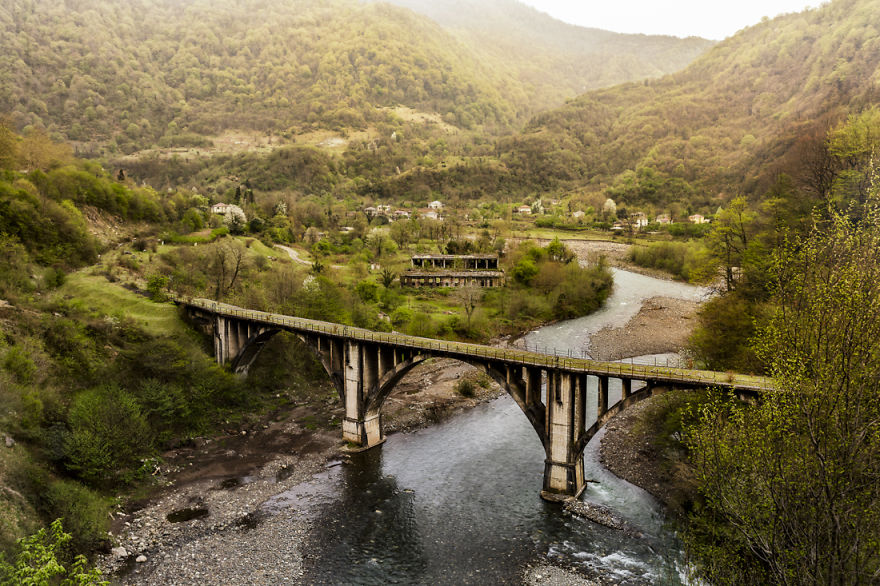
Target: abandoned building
453	270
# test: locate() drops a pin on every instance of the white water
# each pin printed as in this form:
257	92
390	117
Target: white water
458	503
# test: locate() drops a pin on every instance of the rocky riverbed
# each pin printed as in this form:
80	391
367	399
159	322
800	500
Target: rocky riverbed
210	524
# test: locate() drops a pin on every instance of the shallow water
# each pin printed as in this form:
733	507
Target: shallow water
458	503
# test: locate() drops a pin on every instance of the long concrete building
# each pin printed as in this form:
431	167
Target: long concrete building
453	270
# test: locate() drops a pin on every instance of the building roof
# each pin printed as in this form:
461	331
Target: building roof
442	273
455	256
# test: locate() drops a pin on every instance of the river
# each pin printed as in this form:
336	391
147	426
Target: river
457	503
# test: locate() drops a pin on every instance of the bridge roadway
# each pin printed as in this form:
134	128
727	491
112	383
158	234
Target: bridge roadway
550	389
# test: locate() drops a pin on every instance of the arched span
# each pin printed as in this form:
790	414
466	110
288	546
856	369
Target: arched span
534	412
377	395
621	405
251	349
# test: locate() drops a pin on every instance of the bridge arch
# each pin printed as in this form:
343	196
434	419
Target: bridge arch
365	366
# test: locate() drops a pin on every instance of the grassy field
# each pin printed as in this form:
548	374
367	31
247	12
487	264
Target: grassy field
98	296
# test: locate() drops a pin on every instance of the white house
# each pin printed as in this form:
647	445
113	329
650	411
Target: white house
435	205
219	208
697	219
639	220
663	219
524	209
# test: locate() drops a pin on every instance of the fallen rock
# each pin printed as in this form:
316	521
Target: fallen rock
119	552
600	515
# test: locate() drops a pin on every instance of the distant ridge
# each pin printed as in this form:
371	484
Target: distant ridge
729	123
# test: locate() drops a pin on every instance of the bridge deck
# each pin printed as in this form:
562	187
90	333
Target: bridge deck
463	350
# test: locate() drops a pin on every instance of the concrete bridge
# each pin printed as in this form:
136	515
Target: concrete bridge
551	390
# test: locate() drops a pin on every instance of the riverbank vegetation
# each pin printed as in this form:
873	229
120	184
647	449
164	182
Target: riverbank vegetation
98	376
783	489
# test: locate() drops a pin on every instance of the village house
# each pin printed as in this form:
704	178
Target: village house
663	219
524	210
639	220
697	219
435	205
401	214
220	208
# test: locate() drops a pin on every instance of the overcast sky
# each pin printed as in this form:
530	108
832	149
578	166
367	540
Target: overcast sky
711	19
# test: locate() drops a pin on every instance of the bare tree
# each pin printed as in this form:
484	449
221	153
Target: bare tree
470	296
228	259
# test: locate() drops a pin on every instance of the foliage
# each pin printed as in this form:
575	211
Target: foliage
688	261
795	476
726	124
38	562
109	435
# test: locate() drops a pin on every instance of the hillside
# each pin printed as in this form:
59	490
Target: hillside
136	73
119	76
726	124
555	59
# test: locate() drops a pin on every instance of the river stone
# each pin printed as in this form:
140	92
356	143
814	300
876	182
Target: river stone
9	442
141	559
119	552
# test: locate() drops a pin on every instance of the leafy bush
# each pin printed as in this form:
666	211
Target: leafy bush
108	436
465	387
689	261
83	511
38	562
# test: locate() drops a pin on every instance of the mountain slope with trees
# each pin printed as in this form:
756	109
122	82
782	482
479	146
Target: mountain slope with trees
133	74
756	104
555	59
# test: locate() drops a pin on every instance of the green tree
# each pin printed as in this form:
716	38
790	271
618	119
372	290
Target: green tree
729	238
796	477
38	564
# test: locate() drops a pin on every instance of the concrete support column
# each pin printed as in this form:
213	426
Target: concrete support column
564	467
220	340
360	370
532	377
627	387
603	395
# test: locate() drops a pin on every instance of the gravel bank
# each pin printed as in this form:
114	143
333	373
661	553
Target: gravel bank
237	543
662	325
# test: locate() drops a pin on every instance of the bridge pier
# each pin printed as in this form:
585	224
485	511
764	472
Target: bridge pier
362	369
566	412
365	366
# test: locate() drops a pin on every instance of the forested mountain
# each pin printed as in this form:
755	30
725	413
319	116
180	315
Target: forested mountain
138	71
132	74
557	60
728	123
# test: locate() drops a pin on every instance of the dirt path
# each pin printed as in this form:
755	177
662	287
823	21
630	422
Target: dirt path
295	257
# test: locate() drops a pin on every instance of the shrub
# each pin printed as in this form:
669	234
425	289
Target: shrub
83	512
465	387
38	562
109	435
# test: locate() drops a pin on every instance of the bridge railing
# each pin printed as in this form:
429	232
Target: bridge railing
508	355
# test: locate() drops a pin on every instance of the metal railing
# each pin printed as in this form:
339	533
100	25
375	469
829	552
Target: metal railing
556	360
